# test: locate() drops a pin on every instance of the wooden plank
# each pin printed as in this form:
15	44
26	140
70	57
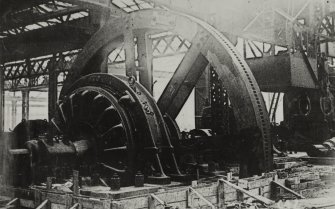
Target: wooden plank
117	205
13	202
252	183
8	168
171	196
209	193
320	160
180	194
257	197
152	202
75	206
138	202
124	192
91	203
44	203
289	190
240	196
68	201
57	206
189	200
202	198
183	204
27	203
232	196
327	205
196	202
49	183
221	195
55	198
75	182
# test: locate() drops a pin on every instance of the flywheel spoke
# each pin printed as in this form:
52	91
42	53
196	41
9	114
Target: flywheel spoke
103	114
114	129
99	104
94	115
109	117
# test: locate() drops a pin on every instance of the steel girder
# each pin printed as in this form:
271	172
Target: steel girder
265	21
163	45
39	15
35	43
33	73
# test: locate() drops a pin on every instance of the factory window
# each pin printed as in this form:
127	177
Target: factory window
14	111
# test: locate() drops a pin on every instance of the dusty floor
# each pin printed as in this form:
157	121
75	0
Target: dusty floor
324	198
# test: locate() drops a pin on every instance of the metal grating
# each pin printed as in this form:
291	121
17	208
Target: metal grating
169	45
132	5
118	55
34	72
163	45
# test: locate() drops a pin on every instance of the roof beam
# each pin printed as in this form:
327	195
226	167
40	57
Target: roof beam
41	49
44	41
43	18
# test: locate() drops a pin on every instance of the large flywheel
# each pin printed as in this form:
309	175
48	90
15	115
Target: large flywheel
208	47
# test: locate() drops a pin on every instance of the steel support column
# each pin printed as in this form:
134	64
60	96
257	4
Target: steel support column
25	104
7	116
52	93
14	113
144	51
201	98
2	100
104	62
103	54
129	47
